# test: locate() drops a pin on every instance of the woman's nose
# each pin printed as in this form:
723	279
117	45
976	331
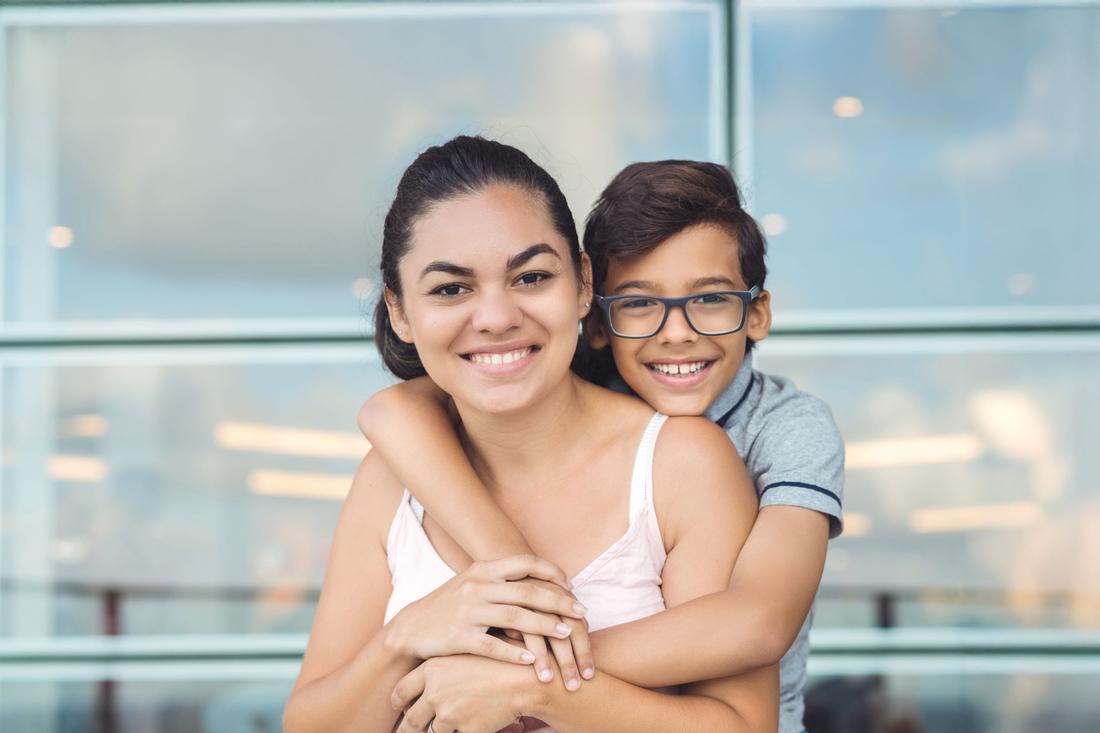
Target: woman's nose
496	313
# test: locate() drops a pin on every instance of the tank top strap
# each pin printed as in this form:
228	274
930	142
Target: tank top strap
641	481
418	510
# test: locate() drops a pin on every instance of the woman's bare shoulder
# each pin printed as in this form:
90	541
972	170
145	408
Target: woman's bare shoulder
373	499
698	477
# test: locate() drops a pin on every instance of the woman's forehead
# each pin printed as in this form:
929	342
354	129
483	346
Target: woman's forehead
487	228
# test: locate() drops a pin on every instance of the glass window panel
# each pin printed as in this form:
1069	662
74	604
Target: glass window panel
212	162
970	496
194	494
908	157
177	706
953	703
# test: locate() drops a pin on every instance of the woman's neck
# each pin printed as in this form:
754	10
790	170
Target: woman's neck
500	445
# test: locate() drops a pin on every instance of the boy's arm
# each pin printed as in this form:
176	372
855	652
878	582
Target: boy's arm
748	626
410	425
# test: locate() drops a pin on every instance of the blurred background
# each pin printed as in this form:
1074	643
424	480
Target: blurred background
192	199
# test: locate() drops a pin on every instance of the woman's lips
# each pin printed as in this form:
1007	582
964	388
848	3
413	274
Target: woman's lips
500	357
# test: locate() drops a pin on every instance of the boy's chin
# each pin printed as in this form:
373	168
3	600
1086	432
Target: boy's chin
675	405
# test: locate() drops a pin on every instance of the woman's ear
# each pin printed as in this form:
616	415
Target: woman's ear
398	322
758	321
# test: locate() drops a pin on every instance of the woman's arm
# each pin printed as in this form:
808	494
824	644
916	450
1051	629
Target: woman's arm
411	428
348	668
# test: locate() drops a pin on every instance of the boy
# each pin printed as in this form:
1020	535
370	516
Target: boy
679	268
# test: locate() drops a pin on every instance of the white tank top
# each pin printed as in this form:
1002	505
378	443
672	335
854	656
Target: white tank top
622	584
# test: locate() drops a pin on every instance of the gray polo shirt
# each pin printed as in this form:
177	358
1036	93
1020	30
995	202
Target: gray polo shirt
795	455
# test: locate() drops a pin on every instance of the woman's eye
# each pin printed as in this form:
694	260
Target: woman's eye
449	291
532	278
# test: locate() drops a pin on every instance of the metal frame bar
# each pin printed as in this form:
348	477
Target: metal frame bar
934	651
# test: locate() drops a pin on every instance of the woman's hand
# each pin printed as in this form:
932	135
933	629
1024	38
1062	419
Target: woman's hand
463	693
453	619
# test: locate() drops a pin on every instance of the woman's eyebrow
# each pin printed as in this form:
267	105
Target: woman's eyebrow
521	259
448	267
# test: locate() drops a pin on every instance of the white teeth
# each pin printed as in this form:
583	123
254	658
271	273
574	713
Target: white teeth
498	358
677	369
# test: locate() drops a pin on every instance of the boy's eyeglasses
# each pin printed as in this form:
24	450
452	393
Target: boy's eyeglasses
716	313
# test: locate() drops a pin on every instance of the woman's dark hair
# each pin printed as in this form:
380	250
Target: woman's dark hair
463	166
647	203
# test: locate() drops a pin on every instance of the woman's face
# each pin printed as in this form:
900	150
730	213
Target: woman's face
490	300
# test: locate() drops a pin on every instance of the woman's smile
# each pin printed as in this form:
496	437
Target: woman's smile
501	361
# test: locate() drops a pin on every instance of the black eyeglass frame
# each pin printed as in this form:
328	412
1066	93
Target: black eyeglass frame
746	296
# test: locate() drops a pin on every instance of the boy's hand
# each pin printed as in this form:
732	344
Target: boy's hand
573	653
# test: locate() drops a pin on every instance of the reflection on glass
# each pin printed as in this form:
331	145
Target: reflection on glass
175	498
144	706
970	495
949	158
241	168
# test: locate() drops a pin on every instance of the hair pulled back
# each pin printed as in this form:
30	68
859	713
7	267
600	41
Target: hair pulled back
463	166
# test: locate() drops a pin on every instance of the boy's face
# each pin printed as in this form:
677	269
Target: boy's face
697	260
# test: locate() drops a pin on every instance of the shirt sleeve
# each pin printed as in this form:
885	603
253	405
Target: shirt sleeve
797	458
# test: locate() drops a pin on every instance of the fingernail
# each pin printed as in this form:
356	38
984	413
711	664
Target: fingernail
579	608
572	685
546	675
527	657
587	673
563	629
568	585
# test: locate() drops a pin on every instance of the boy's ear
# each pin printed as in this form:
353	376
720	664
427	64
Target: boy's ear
595	333
398	322
586	286
758	320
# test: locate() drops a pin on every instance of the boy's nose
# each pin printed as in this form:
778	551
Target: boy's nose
496	313
676	329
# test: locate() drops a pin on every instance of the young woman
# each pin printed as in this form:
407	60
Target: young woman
484	289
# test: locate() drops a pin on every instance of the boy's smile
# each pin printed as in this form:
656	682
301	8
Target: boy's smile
679	371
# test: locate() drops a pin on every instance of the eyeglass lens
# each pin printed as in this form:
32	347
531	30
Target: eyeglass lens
710	313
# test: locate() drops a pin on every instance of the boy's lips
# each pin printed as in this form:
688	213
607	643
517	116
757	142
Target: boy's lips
680	374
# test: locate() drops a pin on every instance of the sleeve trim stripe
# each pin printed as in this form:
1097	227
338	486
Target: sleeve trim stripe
800	485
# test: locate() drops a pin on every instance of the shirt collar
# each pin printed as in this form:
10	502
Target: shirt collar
723	408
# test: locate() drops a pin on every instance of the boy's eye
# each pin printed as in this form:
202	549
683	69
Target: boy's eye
637	303
712	299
